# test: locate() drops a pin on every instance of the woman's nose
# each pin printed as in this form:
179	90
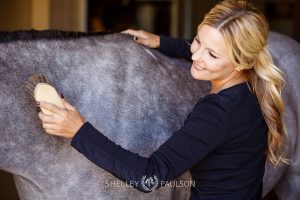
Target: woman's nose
197	54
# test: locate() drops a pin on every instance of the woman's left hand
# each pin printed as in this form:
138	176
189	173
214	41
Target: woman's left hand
63	122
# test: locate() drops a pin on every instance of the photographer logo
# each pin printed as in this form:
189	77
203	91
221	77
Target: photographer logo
149	183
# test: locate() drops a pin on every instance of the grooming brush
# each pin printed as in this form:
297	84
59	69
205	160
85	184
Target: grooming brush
41	89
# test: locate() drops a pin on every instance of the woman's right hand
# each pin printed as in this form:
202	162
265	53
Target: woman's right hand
145	38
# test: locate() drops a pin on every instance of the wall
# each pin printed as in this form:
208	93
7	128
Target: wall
43	14
283	15
15	14
68	15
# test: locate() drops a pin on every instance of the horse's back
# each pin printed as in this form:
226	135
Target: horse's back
137	97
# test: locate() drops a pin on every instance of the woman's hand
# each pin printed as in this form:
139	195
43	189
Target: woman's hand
145	38
63	122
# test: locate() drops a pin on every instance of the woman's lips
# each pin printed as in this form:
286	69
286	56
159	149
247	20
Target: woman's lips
198	67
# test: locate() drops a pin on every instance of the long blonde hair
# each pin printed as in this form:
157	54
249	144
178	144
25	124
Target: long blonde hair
245	31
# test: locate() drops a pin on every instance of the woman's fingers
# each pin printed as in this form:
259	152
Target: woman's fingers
61	122
67	105
52	128
132	32
47	126
137	35
55	121
46	118
54	132
51	132
145	38
50	107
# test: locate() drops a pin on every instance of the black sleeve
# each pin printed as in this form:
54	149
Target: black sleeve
175	47
203	131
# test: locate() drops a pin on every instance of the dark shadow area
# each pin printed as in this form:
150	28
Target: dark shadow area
282	17
155	15
8	189
271	196
118	15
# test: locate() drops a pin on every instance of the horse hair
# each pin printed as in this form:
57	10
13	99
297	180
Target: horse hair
11	36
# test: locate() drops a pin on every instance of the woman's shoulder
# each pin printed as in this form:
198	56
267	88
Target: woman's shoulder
226	97
211	104
234	92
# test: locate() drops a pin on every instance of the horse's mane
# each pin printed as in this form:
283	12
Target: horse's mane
10	36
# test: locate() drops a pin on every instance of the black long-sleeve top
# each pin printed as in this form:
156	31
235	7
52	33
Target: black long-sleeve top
222	142
175	47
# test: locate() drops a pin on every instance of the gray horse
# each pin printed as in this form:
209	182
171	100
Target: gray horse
136	96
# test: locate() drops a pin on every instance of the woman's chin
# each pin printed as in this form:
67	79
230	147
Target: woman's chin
196	74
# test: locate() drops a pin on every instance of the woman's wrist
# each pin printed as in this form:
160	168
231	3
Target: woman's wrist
157	41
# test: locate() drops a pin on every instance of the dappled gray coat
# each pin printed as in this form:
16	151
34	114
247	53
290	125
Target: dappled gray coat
136	96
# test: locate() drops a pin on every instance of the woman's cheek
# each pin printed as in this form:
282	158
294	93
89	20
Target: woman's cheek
214	66
193	47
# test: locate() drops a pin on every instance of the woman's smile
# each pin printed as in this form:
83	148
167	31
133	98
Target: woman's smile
198	66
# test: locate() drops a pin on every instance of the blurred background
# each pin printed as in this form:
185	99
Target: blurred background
177	18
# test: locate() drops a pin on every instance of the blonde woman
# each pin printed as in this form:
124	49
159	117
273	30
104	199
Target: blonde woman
231	132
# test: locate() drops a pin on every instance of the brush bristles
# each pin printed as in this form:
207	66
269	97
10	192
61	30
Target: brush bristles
33	81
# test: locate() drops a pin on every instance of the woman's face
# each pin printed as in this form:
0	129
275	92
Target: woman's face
210	57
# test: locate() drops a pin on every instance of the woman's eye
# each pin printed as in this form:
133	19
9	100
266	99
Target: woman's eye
197	40
212	55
